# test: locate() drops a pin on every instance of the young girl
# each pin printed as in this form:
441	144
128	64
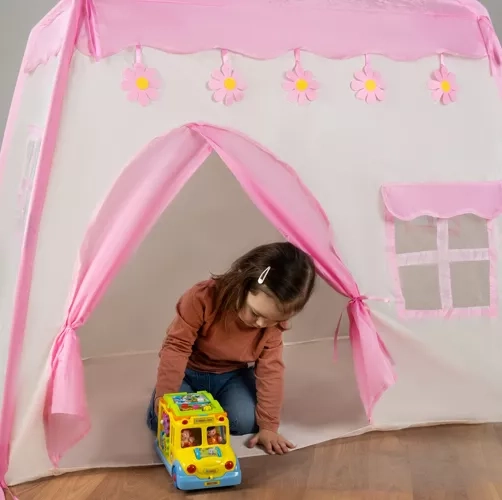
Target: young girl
228	322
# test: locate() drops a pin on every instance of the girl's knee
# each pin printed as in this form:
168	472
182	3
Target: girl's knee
242	423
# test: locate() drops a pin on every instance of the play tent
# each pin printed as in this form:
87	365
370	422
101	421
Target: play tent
150	142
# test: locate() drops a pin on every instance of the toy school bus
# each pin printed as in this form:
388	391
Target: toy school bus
193	442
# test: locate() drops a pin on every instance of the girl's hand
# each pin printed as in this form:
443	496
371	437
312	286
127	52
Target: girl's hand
273	442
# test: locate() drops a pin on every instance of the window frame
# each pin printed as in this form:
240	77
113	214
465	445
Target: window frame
442	256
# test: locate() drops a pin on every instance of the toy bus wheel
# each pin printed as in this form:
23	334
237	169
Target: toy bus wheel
175	482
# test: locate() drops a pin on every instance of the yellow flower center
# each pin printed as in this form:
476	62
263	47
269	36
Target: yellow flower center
302	85
142	83
230	83
370	85
445	86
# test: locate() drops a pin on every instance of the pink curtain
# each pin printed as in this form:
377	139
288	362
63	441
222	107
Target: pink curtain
277	191
140	195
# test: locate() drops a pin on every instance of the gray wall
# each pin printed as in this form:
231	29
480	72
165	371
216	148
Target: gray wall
17	17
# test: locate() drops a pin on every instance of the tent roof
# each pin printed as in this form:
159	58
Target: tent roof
428	6
399	29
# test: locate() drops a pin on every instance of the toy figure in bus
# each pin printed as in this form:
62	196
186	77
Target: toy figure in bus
165	423
164	433
187	439
164	442
213	437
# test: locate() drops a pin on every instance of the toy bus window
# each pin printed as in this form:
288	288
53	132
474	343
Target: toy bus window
164	423
216	435
191	437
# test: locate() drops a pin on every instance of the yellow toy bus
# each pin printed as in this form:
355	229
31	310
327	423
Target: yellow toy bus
193	442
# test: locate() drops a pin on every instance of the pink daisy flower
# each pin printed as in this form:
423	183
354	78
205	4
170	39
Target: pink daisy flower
141	84
443	85
300	85
227	85
368	85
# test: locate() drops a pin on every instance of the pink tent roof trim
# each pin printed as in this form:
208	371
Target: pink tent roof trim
262	29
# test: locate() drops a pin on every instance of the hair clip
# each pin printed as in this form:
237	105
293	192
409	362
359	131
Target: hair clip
263	275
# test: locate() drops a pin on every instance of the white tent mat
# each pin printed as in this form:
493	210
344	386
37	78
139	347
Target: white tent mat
320	405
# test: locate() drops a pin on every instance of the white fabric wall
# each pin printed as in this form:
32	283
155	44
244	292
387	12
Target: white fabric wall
344	150
32	112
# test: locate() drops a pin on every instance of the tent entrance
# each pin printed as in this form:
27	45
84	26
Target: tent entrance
202	230
137	200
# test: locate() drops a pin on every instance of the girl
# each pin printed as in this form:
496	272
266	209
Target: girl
228	322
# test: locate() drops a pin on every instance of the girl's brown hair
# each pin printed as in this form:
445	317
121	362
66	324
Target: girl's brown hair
290	280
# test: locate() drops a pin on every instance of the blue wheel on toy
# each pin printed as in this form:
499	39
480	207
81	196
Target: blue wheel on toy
175	481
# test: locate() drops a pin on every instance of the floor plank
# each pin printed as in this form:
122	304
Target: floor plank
434	463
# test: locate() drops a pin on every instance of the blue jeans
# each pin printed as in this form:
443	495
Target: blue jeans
235	391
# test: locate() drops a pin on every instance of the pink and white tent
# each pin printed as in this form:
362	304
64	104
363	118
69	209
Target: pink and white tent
150	142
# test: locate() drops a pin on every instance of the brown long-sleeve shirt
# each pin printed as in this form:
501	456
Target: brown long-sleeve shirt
195	339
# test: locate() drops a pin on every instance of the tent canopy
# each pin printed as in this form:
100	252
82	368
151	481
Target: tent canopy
265	29
342	168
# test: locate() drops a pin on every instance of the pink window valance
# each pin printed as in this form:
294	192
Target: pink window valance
443	200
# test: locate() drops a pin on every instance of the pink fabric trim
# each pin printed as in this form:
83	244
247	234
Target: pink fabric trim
11	120
432	257
5	489
94	46
409	201
4	151
138	198
390	233
493	48
333	29
494	259
47	37
444	265
30	241
233	25
465	312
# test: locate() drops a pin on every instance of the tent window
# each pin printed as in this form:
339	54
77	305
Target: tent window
444	266
30	167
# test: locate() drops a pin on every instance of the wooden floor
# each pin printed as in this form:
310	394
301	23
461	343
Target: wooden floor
436	463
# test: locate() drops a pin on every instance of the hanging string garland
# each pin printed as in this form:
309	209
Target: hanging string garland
300	84
227	85
443	84
368	84
141	83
